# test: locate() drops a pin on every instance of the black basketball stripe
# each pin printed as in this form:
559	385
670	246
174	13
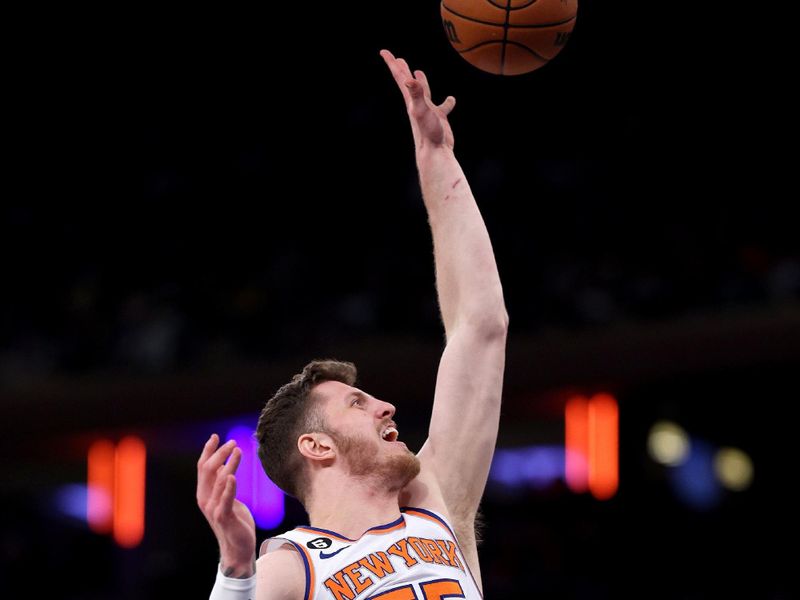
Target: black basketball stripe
513	7
474	20
530	50
505	38
523	46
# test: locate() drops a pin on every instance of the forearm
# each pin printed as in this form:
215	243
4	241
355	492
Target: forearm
467	280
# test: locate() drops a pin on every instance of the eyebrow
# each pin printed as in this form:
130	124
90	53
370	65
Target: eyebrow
352	395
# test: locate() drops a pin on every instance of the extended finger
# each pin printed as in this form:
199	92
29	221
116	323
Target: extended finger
208	449
227	497
208	470
404	68
397	72
233	464
418	105
224	471
218	490
447	106
426	88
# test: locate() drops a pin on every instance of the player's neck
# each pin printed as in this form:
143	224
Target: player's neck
352	507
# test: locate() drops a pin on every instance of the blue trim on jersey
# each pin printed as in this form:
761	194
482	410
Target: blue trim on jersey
328	531
306	565
430	514
394	523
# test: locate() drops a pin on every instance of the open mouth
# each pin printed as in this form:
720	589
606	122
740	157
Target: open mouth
390	434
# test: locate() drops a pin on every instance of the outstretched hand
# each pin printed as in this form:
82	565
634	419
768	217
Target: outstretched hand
229	518
428	121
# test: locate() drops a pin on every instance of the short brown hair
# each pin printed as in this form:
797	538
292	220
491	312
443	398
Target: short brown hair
290	413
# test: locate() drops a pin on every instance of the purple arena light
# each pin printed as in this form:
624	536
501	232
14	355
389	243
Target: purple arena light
264	499
534	467
70	500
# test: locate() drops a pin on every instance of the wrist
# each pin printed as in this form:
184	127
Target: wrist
434	151
237	567
439	172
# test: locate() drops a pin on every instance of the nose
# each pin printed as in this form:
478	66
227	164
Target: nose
385	409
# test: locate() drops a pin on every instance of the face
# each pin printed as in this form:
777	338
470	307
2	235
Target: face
366	435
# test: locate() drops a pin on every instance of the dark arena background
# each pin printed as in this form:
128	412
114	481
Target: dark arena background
201	201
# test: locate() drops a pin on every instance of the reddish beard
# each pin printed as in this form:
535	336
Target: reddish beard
393	472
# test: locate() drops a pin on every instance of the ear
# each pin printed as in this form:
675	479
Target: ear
316	446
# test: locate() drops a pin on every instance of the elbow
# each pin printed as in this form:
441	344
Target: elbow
504	318
491	324
499	326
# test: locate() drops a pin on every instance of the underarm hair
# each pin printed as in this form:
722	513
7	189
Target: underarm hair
480	524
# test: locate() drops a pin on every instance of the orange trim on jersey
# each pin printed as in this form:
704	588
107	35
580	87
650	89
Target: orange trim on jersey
395	528
440	522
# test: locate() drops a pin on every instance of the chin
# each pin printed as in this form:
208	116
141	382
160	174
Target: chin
393	470
401	470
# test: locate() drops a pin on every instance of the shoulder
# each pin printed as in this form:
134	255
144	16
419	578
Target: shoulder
280	574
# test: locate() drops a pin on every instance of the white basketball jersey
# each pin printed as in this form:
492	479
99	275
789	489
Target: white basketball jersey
415	557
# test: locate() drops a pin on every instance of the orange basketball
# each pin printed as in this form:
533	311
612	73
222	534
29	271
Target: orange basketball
508	37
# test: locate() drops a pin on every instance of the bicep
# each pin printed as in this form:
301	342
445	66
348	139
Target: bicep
465	418
280	575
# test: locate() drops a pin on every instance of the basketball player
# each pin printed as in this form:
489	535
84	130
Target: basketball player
385	524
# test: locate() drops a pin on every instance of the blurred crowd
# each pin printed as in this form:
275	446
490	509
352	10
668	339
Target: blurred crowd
172	284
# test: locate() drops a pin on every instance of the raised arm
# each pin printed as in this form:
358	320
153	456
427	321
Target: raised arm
466	408
230	520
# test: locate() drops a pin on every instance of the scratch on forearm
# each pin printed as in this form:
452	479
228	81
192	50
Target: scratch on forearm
456	183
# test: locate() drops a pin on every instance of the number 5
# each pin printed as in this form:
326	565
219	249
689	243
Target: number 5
438	589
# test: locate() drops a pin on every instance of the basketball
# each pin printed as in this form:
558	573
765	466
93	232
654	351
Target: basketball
508	37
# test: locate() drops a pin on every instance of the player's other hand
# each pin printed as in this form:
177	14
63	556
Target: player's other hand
428	120
230	519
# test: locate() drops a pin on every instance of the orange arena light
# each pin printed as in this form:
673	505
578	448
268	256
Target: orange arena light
129	492
576	434
100	483
603	446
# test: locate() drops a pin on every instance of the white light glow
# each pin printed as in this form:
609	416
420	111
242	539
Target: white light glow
668	444
733	468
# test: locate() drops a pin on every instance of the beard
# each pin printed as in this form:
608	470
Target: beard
392	472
